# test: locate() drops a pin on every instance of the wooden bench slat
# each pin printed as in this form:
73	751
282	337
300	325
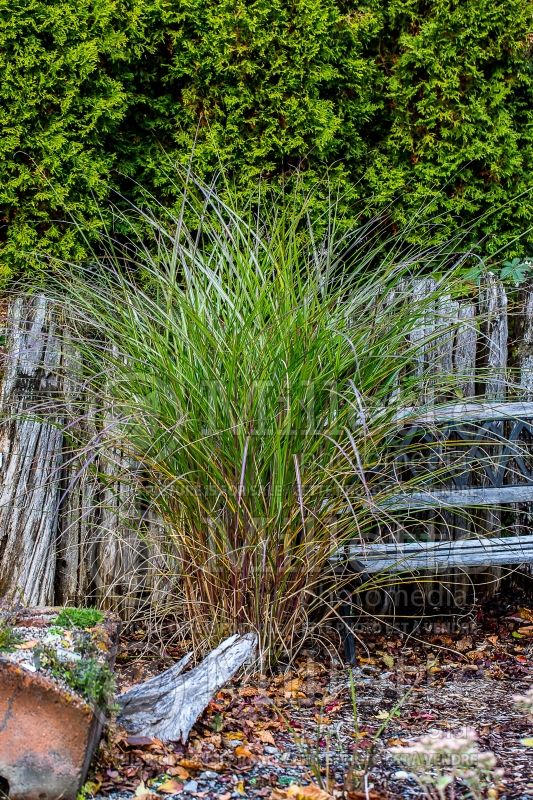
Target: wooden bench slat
404	557
483	551
469	412
459	498
413	547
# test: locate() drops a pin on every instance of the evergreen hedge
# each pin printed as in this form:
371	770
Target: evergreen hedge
399	100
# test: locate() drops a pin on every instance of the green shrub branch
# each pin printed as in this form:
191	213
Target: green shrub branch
403	102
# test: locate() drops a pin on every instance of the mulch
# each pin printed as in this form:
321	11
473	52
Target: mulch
328	725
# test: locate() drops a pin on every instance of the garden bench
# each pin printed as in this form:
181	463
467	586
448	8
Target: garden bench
505	478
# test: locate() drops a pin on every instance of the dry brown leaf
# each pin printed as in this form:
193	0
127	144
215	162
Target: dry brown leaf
243	752
311	668
170	787
293	688
191	763
388	660
179	772
295	792
27	645
266	737
142	791
464	644
169	759
475	655
250	691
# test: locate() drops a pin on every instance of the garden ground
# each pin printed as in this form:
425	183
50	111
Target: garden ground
302	727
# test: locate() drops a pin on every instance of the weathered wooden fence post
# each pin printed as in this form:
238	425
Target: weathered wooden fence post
32	440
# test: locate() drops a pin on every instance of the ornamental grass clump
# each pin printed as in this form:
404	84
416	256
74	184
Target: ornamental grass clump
251	366
441	762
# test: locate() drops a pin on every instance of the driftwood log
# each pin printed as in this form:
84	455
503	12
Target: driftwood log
168	705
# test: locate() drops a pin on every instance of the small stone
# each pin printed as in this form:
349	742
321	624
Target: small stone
401	775
190	786
208	775
271	750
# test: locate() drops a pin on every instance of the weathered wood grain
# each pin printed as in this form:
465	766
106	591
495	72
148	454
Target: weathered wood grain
476	497
469	412
32	418
168	705
484	551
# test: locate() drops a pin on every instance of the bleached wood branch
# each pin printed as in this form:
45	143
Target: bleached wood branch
168	705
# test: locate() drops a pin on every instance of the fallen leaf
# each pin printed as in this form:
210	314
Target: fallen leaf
234	735
526	613
243	752
191	763
27	645
170	787
266	737
293	688
475	655
296	792
92	787
143	791
388	660
179	772
248	691
239	787
139	741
